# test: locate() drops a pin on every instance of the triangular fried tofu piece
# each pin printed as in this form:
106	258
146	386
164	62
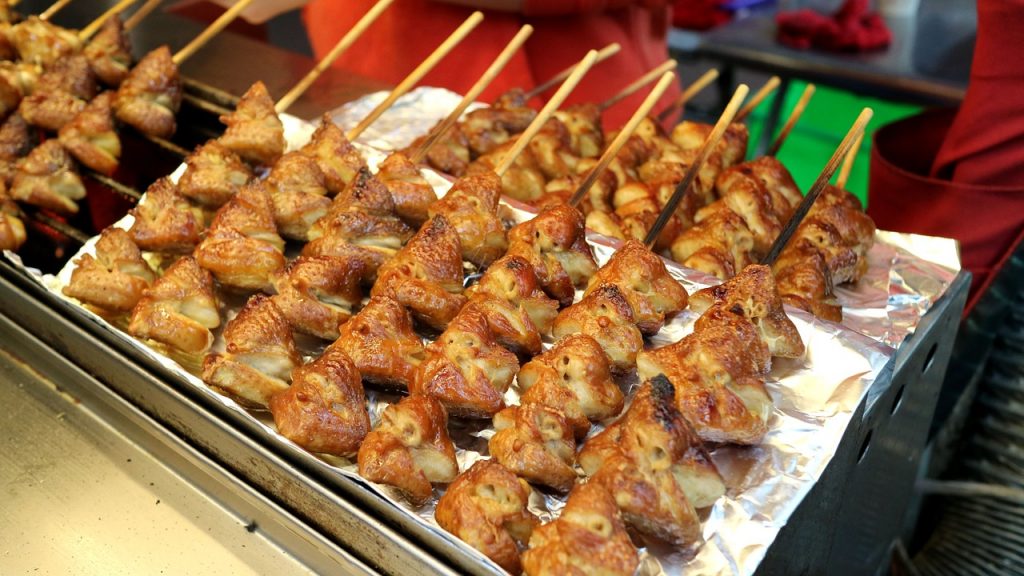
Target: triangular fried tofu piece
165	222
575	377
486	507
588	537
605	315
179	309
91	136
337	158
115	278
213	175
655	466
536	443
753	294
555	244
425	276
317	294
471	206
512	279
410	449
651	291
242	248
110	52
410	191
466	368
254	131
718	372
47	178
149	98
381	342
324	410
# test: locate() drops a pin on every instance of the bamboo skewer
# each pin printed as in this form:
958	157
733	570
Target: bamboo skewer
94	26
710	143
53	9
141	13
794	116
758	97
346	41
692	90
620	140
471	95
416	75
212	30
602	55
848	160
856	131
637	84
545	113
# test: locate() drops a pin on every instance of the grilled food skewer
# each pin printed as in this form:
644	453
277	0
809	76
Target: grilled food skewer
471	95
416	75
851	156
623	136
691	172
794	117
602	55
758	97
346	41
637	84
855	132
94	26
53	9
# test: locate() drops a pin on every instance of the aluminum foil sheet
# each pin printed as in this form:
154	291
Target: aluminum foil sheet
815	396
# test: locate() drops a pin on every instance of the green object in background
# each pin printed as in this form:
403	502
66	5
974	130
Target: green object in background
825	121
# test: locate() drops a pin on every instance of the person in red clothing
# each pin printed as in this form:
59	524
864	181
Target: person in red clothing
563	32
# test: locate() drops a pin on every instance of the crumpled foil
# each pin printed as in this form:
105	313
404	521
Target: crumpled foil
814	396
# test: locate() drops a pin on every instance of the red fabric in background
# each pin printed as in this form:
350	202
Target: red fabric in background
564	30
851	29
699	14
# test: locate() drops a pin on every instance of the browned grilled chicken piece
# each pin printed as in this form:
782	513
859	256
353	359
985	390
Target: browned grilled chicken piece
586	139
425	276
636	209
21	75
260	354
536	443
242	248
753	293
655	466
805	282
362	218
60	93
10	94
450	154
485	507
838	227
16	140
604	314
381	342
523	180
318	293
47	178
324	410
149	98
555	244
732	147
471	207
607	224
115	278
299	192
110	52
179	309
588	539
91	136
509	324
410	191
410	449
772	175
338	159
718	372
12	229
213	174
512	279
651	291
752	202
575	377
41	42
552	150
466	368
254	131
721	245
165	222
7	50
487	128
